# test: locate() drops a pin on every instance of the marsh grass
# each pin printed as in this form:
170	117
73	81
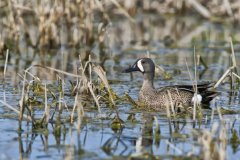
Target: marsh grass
37	91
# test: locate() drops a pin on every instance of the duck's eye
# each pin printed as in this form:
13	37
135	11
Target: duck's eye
143	62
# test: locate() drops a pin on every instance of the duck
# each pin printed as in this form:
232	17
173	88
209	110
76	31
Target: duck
159	99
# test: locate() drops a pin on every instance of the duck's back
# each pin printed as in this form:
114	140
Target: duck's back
158	99
166	96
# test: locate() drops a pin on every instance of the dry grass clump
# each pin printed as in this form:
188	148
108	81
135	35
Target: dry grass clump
36	93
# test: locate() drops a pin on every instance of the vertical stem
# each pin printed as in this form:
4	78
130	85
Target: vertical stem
21	102
74	108
5	66
234	63
90	68
47	109
195	86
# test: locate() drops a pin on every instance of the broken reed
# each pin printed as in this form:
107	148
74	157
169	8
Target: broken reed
232	71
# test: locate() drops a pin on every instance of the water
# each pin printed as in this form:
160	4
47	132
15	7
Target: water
140	136
96	138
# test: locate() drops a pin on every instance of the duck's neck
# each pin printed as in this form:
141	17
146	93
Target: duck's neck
148	80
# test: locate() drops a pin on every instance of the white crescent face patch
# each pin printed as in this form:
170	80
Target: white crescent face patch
140	66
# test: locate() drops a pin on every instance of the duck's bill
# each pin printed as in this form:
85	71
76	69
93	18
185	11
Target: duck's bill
131	69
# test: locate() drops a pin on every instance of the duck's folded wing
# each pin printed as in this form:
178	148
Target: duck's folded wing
175	87
203	90
201	87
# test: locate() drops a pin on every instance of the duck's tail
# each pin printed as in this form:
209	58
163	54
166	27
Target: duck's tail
208	96
203	89
206	92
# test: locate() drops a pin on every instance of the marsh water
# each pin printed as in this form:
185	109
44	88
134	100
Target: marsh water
170	43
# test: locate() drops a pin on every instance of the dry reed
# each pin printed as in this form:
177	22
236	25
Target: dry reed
5	65
230	72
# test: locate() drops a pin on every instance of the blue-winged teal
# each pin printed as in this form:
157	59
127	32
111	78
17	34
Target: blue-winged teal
158	99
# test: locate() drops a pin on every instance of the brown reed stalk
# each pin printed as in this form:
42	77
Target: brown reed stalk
123	10
168	111
5	65
28	118
59	71
74	108
90	87
195	86
171	103
47	107
102	75
80	113
22	100
234	62
200	8
226	73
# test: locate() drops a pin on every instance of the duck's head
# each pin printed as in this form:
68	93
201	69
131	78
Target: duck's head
144	65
